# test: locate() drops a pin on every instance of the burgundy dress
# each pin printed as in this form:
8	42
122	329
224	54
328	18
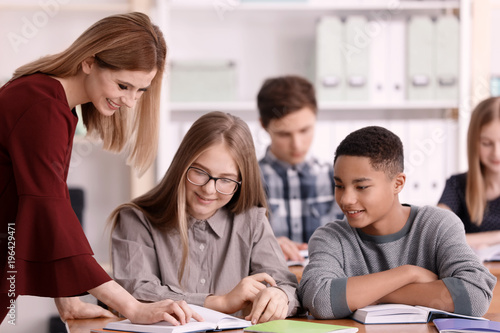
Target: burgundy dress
52	255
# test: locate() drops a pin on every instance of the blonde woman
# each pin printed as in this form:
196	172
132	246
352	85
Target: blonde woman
475	196
202	235
114	71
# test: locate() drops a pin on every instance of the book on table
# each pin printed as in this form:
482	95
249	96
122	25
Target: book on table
305	255
402	313
489	253
296	326
213	321
449	325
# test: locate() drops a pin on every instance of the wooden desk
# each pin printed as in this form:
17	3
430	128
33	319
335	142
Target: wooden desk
297	270
494	267
84	325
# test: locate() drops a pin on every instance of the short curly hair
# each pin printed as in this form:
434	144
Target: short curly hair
381	146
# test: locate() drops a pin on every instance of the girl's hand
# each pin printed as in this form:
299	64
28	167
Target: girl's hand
241	295
270	304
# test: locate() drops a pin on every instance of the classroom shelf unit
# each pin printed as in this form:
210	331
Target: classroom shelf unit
266	38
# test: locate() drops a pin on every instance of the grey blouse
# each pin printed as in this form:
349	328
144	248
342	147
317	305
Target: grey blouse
222	250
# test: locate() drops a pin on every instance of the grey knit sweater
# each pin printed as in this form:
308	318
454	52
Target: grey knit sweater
433	238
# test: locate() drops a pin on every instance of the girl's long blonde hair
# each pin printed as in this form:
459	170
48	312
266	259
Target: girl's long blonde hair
165	204
119	42
475	191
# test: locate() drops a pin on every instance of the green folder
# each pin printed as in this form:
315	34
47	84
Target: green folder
294	326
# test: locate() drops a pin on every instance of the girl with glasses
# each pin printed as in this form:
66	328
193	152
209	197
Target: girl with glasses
202	235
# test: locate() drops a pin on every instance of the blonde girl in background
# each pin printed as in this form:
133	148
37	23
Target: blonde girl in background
475	195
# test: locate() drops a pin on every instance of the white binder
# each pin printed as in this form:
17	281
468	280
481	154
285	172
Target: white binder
438	143
323	147
451	154
396	59
379	63
356	58
261	138
416	161
447	61
400	128
329	68
341	128
420	67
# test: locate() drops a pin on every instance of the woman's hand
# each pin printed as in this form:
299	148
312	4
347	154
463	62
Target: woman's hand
112	294
244	293
74	308
270	304
174	312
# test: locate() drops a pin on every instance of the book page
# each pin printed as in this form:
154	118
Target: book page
222	320
161	327
212	320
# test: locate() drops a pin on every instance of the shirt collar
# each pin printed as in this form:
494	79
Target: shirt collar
271	158
395	236
216	222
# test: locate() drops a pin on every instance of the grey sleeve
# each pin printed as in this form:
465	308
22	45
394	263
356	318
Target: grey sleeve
322	289
135	262
267	257
469	282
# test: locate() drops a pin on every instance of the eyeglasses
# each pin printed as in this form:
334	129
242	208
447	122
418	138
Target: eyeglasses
200	177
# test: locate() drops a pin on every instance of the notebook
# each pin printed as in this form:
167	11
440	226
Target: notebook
295	326
466	325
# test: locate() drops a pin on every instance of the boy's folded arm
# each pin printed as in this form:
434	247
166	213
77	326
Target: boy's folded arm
433	294
369	289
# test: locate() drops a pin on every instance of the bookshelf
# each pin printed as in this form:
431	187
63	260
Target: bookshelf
268	39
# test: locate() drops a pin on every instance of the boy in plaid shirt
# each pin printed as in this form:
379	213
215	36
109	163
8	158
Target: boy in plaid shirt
300	189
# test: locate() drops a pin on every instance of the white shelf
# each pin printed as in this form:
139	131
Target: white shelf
323	106
391	6
72	7
285	31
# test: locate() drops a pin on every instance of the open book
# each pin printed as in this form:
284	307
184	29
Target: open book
214	320
402	313
305	255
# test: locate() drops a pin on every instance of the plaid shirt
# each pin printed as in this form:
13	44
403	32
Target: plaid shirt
300	197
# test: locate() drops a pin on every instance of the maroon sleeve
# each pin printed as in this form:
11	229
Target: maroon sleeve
53	256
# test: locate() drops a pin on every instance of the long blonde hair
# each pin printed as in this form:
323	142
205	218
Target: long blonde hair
165	204
119	42
475	191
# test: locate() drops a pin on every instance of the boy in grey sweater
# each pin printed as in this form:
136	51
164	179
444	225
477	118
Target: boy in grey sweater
384	251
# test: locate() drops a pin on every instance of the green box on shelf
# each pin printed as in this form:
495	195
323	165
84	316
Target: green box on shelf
203	80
